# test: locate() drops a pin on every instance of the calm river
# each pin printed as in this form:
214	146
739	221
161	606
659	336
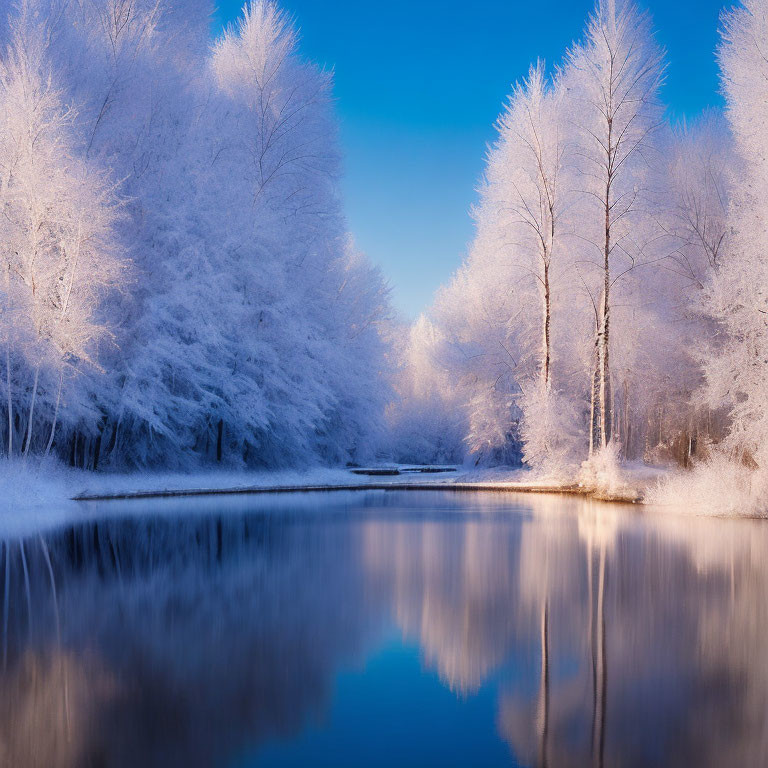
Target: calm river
384	628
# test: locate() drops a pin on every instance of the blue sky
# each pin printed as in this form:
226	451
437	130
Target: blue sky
419	84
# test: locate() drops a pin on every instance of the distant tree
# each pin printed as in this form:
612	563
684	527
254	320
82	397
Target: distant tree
427	418
701	164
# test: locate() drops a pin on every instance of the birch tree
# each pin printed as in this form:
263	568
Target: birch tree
59	249
615	75
525	193
523	205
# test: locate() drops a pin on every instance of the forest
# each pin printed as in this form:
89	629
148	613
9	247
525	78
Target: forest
612	307
180	287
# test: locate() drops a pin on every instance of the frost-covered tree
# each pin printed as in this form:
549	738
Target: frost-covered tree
735	369
503	313
524	195
613	78
695	183
475	346
248	329
427	418
699	173
572	321
522	216
59	250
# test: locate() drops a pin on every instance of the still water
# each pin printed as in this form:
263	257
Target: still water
385	629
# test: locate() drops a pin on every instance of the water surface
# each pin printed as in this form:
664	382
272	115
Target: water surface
385	628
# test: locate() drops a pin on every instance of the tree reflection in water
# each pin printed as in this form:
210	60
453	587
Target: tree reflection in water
204	629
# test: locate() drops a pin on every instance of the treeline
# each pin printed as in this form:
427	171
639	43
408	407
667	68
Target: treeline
613	303
177	284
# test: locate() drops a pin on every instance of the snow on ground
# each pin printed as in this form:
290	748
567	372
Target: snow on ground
120	485
106	484
37	495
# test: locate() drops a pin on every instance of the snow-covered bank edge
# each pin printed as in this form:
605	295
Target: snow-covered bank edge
106	487
629	488
657	488
378	486
38	495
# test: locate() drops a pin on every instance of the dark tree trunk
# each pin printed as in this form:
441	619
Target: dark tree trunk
97	452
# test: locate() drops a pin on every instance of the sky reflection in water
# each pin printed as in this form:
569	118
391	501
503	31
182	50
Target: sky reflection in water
385	628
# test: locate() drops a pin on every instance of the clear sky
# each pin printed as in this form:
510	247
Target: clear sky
419	84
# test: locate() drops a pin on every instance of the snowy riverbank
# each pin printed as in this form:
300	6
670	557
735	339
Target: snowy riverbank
36	494
628	485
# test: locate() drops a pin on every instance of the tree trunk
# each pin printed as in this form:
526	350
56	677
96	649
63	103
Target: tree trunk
112	440
606	410
8	369
605	394
219	439
594	408
547	356
10	400
627	425
97	452
55	415
31	411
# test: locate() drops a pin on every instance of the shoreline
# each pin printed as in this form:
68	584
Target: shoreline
44	494
628	488
410	486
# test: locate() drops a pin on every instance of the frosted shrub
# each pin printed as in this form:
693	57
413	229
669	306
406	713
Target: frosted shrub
720	485
602	472
550	433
